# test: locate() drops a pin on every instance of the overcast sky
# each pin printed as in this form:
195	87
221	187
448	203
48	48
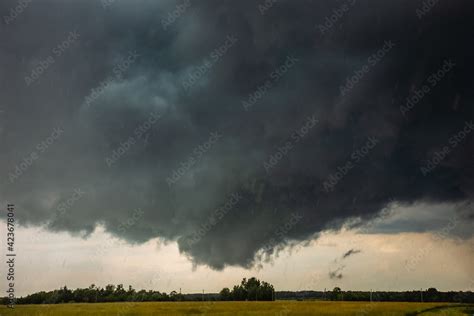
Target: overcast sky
234	132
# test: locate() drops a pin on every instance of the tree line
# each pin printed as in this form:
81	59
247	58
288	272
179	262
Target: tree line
93	294
428	295
251	289
248	290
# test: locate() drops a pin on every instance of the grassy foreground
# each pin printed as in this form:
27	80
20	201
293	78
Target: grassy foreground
278	308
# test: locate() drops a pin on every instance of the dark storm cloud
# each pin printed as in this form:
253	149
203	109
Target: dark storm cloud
67	65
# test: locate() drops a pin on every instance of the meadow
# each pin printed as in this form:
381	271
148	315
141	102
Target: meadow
278	308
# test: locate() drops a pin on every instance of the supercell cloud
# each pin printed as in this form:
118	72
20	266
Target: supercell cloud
231	127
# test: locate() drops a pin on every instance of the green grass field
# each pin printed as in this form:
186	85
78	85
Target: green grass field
279	308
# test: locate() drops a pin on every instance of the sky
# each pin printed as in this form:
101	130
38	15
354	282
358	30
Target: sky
218	140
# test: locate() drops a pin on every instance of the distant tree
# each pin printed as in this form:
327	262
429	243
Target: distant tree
225	294
109	289
249	290
431	295
265	292
251	286
239	293
336	294
174	296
